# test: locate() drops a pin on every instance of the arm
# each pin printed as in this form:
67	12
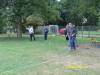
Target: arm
74	32
27	28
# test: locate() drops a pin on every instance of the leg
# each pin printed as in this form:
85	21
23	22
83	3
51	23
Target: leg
31	37
45	36
73	43
76	43
34	36
69	43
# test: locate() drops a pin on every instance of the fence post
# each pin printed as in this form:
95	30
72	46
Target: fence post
89	31
82	30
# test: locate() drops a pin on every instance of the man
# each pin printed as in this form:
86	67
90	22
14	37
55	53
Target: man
71	32
31	32
46	33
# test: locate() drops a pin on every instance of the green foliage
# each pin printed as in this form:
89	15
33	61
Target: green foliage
21	11
35	20
1	25
76	9
53	14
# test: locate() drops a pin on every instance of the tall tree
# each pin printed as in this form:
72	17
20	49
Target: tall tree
25	8
76	9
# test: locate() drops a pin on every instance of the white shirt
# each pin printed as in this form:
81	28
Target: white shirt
30	30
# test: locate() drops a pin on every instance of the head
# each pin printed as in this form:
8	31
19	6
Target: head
70	25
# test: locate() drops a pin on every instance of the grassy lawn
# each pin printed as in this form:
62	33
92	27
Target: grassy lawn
91	32
23	57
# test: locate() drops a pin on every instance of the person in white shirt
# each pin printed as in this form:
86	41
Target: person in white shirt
31	32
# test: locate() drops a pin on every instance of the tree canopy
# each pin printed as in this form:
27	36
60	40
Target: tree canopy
75	10
40	12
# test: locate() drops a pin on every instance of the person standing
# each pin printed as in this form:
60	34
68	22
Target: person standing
31	32
71	32
46	30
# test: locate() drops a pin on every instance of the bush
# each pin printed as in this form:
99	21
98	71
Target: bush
35	20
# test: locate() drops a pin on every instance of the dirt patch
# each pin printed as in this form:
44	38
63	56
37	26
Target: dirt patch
85	55
57	62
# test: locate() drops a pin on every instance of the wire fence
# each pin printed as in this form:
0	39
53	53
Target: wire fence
83	31
86	31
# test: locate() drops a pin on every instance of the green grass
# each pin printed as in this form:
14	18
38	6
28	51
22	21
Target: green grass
91	32
23	57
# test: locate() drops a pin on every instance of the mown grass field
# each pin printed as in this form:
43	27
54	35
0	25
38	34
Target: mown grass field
23	57
89	32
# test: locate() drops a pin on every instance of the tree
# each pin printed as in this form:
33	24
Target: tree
25	8
35	20
2	18
76	9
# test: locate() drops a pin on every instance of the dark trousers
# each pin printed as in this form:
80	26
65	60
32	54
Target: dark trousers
45	36
32	36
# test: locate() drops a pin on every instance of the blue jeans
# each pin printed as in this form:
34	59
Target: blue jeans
72	42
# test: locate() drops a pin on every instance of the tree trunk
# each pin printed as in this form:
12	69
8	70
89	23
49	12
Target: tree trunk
34	27
19	30
82	31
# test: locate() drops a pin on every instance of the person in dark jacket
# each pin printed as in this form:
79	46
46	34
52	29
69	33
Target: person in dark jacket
46	30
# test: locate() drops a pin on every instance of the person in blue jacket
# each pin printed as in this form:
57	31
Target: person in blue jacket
46	30
71	32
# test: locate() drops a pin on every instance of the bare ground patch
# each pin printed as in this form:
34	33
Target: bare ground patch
55	66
